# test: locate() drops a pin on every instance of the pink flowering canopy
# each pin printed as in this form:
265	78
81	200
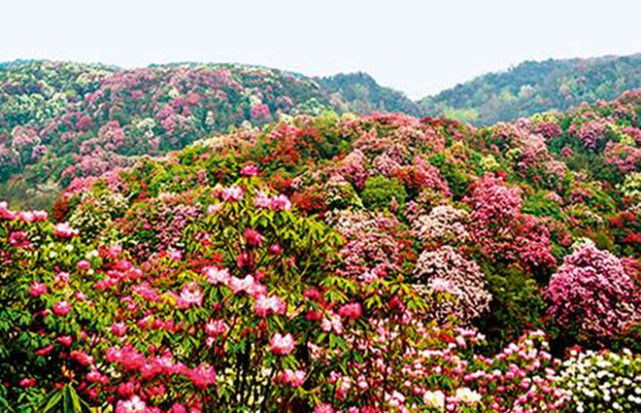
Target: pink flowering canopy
326	263
593	292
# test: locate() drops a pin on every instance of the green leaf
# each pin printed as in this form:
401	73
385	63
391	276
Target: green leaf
51	402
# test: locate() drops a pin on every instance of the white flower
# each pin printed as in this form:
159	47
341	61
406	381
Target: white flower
467	396
434	399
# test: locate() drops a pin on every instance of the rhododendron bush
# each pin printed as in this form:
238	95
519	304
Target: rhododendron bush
241	316
593	293
247	314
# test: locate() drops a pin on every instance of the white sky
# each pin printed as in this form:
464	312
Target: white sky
419	47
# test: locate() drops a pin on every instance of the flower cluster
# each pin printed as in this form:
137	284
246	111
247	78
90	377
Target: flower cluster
446	271
592	294
603	381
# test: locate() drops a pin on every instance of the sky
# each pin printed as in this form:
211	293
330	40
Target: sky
418	47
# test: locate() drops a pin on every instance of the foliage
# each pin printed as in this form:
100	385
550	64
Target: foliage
381	192
534	87
330	263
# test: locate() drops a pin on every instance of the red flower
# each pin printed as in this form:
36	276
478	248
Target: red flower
61	308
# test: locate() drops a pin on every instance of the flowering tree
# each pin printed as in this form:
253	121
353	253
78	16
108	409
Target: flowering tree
444	271
592	295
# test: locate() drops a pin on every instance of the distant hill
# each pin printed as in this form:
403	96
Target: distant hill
360	93
533	87
61	122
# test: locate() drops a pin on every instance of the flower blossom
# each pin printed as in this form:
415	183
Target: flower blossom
232	193
134	405
216	328
37	289
352	311
119	329
261	200
64	231
202	376
253	237
61	308
217	275
280	203
191	295
291	377
264	306
249	170
281	344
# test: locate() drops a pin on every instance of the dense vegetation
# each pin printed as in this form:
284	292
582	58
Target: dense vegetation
533	87
337	263
63	122
359	93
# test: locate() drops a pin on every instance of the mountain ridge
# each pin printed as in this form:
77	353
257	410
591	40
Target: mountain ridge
536	86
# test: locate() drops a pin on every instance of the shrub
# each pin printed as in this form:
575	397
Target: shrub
591	295
380	192
603	381
446	271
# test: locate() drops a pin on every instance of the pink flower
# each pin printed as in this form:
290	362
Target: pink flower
321	408
593	291
64	231
27	382
217	275
32	216
213	209
253	237
247	285
81	358
83	265
440	285
178	408
352	311
333	322
5	213
260	111
280	203
263	306
216	328
249	170
37	289
65	340
61	277
191	295
280	344
61	308
275	249
94	376
119	329
202	376
292	378
44	351
232	193
261	200
133	405
20	239
175	255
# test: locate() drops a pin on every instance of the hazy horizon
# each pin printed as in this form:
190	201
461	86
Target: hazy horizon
417	48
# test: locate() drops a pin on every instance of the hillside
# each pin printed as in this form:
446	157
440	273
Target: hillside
63	122
359	93
340	263
533	87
